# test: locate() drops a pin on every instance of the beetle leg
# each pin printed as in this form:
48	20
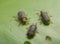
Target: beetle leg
38	14
39	19
27	23
37	32
16	20
40	22
51	22
14	17
29	18
19	23
27	28
26	13
50	16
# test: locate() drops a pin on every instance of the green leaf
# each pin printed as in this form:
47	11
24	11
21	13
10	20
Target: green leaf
11	33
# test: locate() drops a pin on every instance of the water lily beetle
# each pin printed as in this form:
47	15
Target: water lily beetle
32	30
45	18
22	17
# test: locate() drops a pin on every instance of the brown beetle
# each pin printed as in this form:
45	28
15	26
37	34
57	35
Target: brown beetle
22	17
45	18
31	32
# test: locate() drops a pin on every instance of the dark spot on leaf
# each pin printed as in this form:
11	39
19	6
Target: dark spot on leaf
27	42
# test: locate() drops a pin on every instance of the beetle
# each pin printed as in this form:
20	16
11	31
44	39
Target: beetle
48	38
22	17
45	18
32	30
